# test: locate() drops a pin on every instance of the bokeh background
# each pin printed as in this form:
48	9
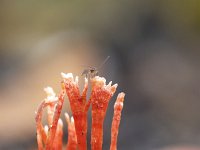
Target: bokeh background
155	58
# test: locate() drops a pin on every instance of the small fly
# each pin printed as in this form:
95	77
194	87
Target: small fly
91	72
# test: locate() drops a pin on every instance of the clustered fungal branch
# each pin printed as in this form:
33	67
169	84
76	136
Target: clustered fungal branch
116	120
72	138
100	97
50	137
78	104
54	126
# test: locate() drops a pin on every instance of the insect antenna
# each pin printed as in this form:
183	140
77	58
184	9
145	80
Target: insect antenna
101	65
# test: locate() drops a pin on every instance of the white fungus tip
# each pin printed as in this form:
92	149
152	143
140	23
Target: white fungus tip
51	95
113	88
115	85
46	128
72	119
67	116
67	75
110	83
60	122
49	91
76	79
98	81
86	80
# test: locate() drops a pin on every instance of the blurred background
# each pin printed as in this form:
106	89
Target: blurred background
155	59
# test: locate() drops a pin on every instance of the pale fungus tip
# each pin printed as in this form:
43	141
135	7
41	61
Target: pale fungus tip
49	91
67	116
120	99
72	119
46	128
86	80
114	87
60	122
110	83
98	81
51	96
121	96
68	76
76	79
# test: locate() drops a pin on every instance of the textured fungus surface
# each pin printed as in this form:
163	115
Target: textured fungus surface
50	137
100	97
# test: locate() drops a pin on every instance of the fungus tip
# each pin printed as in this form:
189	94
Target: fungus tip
114	87
49	91
60	122
72	119
98	81
86	81
120	100
46	128
76	79
67	116
51	96
110	83
68	76
121	96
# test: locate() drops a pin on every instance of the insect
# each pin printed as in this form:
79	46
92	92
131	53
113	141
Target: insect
91	72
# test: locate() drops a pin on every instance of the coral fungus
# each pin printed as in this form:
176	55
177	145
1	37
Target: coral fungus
50	137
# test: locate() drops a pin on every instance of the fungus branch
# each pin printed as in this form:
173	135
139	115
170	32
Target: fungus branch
100	97
72	139
116	120
78	105
54	104
53	127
